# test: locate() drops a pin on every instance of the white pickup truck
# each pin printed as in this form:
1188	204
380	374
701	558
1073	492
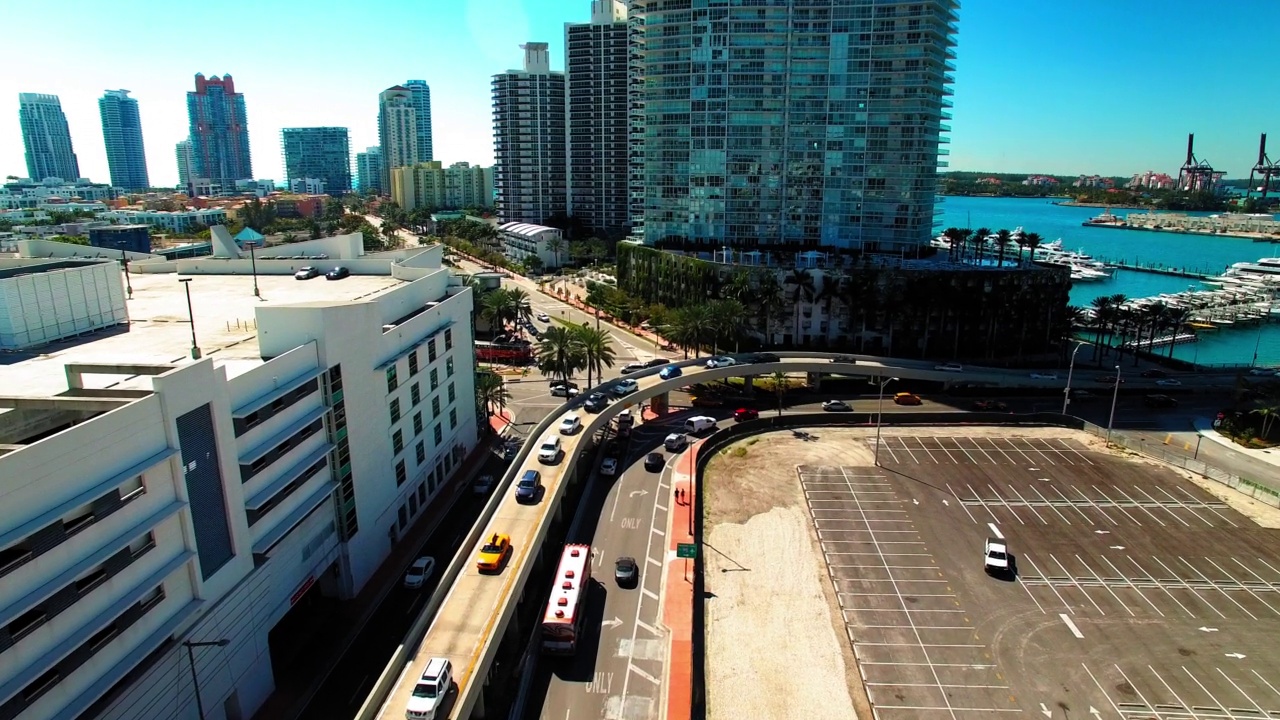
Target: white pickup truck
996	561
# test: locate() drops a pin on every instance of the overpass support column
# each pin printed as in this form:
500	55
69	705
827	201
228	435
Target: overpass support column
749	385
658	404
815	380
477	710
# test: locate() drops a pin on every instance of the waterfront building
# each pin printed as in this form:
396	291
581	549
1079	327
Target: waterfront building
318	152
1040	181
1151	180
432	186
122	135
529	139
397	131
800	123
47	138
369	169
28	193
185	162
150	502
597	121
521	241
1093	181
219	132
421	94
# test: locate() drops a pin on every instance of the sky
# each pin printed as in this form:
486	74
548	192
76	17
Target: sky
1109	87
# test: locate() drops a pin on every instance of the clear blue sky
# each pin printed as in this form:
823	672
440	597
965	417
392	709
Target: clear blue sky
1088	86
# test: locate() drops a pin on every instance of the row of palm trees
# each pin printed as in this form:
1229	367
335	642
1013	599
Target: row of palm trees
505	307
964	239
1116	323
565	350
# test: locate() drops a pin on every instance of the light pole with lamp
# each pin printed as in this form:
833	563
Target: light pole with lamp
1066	392
1115	393
195	349
253	263
128	285
880	415
191	659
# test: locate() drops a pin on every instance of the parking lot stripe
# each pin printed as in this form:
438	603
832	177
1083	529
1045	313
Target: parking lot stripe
1071	626
1040	452
1247	589
1226	677
1073	505
980	687
1030	594
1264	682
1105	585
926	450
1138	505
1216	701
1014	446
1026	504
995	530
1129	580
1077	584
961	503
943	448
948	708
1002	499
966	666
1191	509
1091	502
1217	587
1207	506
1166	508
1070	448
1161	585
1137	691
1050	505
1190	709
982	502
1187	585
1049	582
889	446
979	448
997	448
1118	506
903	440
960	447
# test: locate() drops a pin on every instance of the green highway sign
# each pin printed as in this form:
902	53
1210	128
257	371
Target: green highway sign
686	550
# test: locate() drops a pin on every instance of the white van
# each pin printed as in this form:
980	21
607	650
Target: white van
699	424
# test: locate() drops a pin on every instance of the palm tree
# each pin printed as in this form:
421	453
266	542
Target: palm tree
780	388
728	323
556	245
491	393
1177	318
497	308
560	353
690	325
769	298
979	241
803	292
955	236
739	287
1102	309
521	310
1030	241
597	351
1002	238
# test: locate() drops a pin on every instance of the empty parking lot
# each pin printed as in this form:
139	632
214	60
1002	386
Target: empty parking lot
1137	594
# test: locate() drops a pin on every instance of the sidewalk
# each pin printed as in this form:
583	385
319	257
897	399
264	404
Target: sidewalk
677	591
1204	427
293	693
605	317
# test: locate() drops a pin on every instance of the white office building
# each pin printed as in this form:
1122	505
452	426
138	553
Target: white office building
175	221
524	240
149	503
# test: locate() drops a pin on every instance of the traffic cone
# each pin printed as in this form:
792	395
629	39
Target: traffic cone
1168	438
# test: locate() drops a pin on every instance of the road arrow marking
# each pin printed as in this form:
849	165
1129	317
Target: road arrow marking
946	502
1117	547
1103	532
611	623
1045	480
1047	712
1033	468
1238	656
915	501
1208	629
639	492
1094	712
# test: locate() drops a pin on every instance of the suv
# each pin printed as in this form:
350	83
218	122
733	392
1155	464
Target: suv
528	487
549	451
429	693
596	402
625	387
996	557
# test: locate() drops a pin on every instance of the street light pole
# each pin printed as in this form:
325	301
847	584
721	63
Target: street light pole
1066	392
253	263
1115	393
879	417
191	660
195	349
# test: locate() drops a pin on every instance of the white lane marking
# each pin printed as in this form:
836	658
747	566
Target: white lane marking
648	627
1152	580
1136	504
642	674
1187	585
1159	677
1262	712
961	503
1071	626
1247	589
635	622
944	449
1132	585
1115	504
1073	505
1217	587
1073	579
1026	504
1264	680
1215	512
1167	509
1196	680
1093	504
1103	584
1049	582
1188	507
995	530
981	502
948	708
649	594
1050	505
1103	690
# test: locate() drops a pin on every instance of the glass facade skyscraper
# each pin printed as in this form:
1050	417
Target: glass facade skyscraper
369	169
421	94
318	152
122	135
219	132
799	123
46	137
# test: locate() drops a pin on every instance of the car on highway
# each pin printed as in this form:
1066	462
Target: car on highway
1108	379
1081	394
836	406
1262	372
721	361
543	317
625	387
528	488
626	571
989	405
337	273
493	553
996	557
306	273
596	402
906	398
949	367
430	690
1044	376
670	371
549	451
420	572
1153	373
570	424
565	391
745	414
632	367
656	362
1157	400
482	485
752	358
675	442
654	461
609	467
1169	382
845	359
699	424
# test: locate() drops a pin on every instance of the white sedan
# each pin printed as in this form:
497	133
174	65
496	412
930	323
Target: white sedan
609	467
1169	382
1044	376
949	367
719	362
1263	371
543	317
570	425
419	572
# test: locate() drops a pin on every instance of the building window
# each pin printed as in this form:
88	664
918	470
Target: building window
448	339
452	395
397	441
413	363
413	503
401	474
392	384
431	350
417	424
395	410
453	418
420	452
404	516
439	433
435	379
448	367
435	407
415	393
422	493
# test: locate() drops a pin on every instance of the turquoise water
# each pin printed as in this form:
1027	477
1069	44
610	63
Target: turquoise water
1211	255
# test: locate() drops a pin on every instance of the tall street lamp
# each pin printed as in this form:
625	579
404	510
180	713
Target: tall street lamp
1066	392
880	415
191	659
253	263
195	349
1115	393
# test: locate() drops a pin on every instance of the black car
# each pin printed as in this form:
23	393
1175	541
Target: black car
529	486
654	462
626	571
337	273
657	362
751	358
1160	401
1158	374
595	402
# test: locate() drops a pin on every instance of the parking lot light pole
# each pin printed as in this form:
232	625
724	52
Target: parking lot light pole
1066	392
879	416
253	263
195	348
1115	393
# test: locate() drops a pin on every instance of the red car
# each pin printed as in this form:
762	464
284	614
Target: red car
743	414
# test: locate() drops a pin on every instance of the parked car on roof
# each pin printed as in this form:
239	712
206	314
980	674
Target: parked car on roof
337	273
306	273
420	572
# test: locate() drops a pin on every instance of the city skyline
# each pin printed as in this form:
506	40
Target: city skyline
1038	90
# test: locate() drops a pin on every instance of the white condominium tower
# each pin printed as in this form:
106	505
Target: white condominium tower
529	139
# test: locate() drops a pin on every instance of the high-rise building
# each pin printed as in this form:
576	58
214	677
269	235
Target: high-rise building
185	161
421	93
800	122
46	137
219	131
122	134
369	169
323	153
529	139
596	82
432	186
397	130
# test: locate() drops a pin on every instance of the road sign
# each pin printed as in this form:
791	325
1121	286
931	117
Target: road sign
686	550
